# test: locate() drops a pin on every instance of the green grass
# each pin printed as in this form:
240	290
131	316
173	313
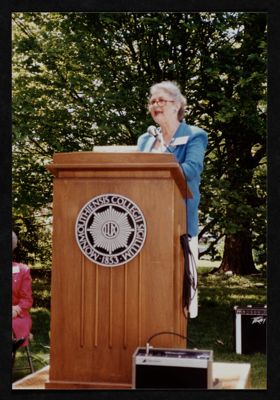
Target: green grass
39	345
213	329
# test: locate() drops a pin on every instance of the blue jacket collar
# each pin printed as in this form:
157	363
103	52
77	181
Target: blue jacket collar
183	130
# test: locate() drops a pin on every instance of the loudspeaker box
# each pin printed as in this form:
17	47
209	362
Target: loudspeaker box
164	368
250	329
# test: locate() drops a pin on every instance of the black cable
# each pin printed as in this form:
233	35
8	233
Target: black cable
165	333
189	274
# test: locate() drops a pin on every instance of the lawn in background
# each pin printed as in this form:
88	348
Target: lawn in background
213	329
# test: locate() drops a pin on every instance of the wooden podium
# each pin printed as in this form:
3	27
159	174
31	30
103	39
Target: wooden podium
100	314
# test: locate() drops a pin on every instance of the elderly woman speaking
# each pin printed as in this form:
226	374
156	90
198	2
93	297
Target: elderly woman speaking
188	144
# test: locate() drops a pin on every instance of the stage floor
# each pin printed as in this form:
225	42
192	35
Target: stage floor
226	375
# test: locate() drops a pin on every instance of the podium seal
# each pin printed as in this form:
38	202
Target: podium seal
110	230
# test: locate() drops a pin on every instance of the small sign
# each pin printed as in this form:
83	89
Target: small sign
180	140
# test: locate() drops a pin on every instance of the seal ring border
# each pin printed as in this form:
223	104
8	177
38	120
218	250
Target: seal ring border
143	220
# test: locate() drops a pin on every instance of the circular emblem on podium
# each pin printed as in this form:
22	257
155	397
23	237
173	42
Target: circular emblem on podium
110	230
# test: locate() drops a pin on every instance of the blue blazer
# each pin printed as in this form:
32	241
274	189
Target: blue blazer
188	146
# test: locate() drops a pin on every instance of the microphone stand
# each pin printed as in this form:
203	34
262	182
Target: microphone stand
153	131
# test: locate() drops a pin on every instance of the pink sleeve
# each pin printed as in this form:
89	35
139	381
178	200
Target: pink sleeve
25	292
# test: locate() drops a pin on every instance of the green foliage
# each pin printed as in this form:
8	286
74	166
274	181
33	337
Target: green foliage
83	78
41	285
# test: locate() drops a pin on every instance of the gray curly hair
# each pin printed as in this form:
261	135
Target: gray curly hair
14	240
173	89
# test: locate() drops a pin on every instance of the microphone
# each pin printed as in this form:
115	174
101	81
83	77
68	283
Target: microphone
152	131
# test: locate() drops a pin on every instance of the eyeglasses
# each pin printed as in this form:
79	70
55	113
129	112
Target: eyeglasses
159	102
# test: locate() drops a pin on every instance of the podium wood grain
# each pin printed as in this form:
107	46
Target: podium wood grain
99	315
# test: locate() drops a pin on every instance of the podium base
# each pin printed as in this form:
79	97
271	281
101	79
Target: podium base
66	385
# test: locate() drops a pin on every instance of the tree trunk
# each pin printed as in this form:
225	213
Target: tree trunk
237	255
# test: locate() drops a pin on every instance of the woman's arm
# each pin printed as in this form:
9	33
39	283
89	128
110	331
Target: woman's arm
192	164
25	291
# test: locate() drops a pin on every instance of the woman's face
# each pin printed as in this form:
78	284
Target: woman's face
162	107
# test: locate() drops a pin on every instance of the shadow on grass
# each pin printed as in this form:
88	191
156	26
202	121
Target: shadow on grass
214	327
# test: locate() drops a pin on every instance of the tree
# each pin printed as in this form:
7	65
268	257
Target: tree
83	79
240	120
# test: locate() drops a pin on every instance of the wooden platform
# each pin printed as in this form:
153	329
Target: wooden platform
227	376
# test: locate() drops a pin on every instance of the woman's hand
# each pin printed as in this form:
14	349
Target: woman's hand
16	310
